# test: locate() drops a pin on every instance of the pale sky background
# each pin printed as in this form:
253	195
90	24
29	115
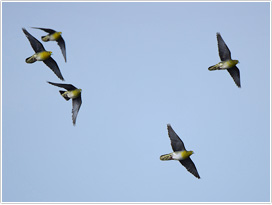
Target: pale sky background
140	66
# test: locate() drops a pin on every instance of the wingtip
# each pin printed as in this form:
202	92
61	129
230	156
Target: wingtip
50	82
60	77
74	121
24	30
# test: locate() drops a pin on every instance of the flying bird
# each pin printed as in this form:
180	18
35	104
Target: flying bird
180	153
71	93
226	62
54	36
42	55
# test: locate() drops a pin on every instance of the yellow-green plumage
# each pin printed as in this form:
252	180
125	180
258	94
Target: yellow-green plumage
180	155
71	94
51	37
31	59
41	56
56	35
224	65
45	38
166	157
185	154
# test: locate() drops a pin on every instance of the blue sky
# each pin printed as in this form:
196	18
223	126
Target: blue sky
140	66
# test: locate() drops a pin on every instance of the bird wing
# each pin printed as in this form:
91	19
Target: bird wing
223	49
235	74
76	105
36	45
50	31
176	143
62	85
190	166
51	63
61	44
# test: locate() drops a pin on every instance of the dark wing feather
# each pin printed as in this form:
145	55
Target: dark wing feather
62	85
235	74
51	63
223	49
76	106
36	45
190	166
61	44
176	143
50	31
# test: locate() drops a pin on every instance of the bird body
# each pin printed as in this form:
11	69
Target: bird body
224	65
180	153
71	93
226	62
52	37
41	54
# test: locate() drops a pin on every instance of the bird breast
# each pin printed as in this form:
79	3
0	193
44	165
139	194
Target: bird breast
55	36
227	64
74	93
41	56
180	155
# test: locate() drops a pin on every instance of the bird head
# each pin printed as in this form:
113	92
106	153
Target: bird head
191	152
79	91
50	52
236	61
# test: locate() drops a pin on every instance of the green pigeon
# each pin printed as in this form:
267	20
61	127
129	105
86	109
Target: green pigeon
226	62
71	93
54	36
42	55
180	153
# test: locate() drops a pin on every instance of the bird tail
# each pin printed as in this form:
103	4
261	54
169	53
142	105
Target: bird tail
214	67
31	59
45	38
64	95
166	157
